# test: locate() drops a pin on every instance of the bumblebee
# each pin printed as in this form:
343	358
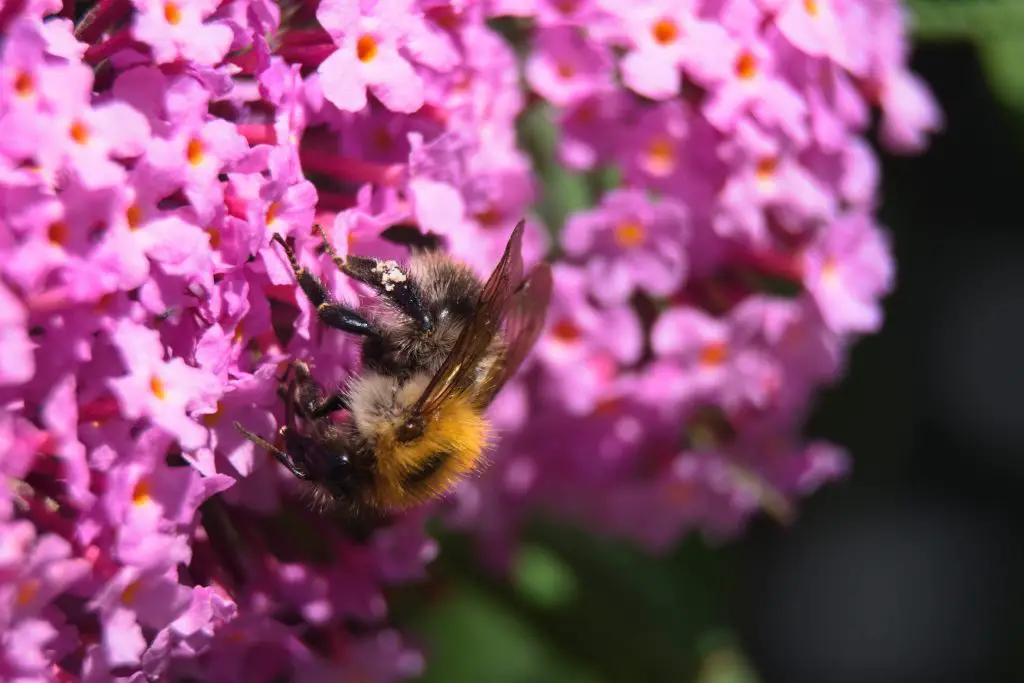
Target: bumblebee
436	350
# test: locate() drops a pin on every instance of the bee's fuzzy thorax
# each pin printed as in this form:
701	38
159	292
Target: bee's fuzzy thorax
443	281
448	291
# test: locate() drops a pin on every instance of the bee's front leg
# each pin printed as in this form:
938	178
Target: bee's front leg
392	283
330	312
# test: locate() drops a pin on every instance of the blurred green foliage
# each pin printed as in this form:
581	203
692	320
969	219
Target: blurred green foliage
579	609
994	27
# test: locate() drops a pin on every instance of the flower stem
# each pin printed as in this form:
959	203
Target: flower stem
48	302
357	170
7	11
49	519
307	55
99	410
119	41
246	60
63	676
258	133
333	202
771	263
305	36
100	18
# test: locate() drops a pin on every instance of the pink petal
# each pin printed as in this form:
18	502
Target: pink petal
338	17
341	82
395	83
651	75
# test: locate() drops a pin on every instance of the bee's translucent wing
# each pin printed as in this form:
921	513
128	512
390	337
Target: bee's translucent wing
523	324
476	337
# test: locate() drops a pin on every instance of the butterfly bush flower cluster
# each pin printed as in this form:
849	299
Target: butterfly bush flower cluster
150	149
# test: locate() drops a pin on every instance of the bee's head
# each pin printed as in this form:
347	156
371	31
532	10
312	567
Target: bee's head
338	469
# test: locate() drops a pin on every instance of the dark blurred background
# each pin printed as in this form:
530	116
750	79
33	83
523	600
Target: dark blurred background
909	571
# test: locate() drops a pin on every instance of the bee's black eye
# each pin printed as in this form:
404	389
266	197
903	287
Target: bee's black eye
340	468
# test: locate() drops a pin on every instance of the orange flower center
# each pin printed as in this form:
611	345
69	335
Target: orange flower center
195	151
811	7
665	31
629	233
58	233
660	157
214	235
156	385
141	494
829	270
272	212
172	13
746	66
79	132
489	217
766	167
24	84
130	592
213	418
27	592
566	331
714	354
134	216
445	17
565	70
366	48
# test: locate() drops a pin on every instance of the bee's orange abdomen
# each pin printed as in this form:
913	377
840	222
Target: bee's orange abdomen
451	447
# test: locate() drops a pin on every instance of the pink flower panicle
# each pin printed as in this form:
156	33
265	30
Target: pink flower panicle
152	149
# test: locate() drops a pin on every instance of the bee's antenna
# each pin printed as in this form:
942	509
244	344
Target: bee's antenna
271	448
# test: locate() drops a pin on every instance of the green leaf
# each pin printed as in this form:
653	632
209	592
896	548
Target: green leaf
723	661
976	20
542	578
471	636
1003	58
562	191
605	605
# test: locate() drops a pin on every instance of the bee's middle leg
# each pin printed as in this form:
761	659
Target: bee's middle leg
331	404
309	395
